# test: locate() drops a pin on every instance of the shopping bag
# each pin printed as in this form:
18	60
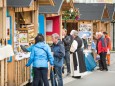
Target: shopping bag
98	57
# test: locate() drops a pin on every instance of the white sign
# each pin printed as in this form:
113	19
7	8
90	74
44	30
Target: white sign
49	25
85	27
8	27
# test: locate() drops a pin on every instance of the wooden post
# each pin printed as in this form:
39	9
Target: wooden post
99	26
12	65
2	73
1	23
6	75
61	24
35	18
4	19
45	28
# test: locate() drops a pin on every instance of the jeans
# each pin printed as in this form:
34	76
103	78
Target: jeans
67	60
58	73
38	74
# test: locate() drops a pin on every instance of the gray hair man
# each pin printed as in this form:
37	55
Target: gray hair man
58	54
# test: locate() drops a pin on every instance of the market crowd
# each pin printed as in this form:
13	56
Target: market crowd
70	51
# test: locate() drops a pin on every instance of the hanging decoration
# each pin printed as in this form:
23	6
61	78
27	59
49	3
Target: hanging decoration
71	14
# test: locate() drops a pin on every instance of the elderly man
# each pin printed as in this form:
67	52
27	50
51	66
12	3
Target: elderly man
58	54
102	51
77	61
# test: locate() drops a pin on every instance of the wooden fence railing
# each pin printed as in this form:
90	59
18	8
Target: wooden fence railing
3	72
22	73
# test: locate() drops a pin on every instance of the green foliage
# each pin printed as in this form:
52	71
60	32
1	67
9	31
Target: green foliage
68	15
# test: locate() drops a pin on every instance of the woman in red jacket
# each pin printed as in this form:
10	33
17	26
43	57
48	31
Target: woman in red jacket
102	51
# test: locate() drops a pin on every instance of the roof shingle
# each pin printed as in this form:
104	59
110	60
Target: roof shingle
90	11
19	3
51	9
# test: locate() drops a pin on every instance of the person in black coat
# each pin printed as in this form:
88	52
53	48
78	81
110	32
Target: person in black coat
67	42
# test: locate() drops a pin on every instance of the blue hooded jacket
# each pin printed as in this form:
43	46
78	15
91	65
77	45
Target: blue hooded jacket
40	55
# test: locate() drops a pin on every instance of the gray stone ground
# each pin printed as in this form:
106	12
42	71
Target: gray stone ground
95	78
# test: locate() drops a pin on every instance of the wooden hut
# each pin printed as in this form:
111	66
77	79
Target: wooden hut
5	50
53	18
3	63
22	16
112	20
97	14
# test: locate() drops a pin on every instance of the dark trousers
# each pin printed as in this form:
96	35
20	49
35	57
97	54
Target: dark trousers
40	73
102	61
58	75
67	60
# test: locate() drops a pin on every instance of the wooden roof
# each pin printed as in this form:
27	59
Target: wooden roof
46	2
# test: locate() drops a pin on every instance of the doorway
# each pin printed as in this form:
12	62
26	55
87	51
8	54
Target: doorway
71	26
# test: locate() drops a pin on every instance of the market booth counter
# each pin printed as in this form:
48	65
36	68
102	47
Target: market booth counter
5	52
22	73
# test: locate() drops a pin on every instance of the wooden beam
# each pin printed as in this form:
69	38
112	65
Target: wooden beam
1	3
1	16
70	21
46	2
51	15
2	73
4	19
113	17
105	13
35	19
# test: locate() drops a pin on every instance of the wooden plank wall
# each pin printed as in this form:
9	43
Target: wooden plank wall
22	73
1	23
1	3
3	72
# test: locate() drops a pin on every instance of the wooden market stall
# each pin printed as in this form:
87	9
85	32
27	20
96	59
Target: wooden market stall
112	19
96	17
53	18
3	58
23	20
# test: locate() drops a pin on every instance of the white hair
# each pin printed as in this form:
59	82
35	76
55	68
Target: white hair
97	33
74	32
55	35
100	33
84	36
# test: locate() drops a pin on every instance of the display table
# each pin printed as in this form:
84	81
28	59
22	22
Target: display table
21	56
6	51
89	60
